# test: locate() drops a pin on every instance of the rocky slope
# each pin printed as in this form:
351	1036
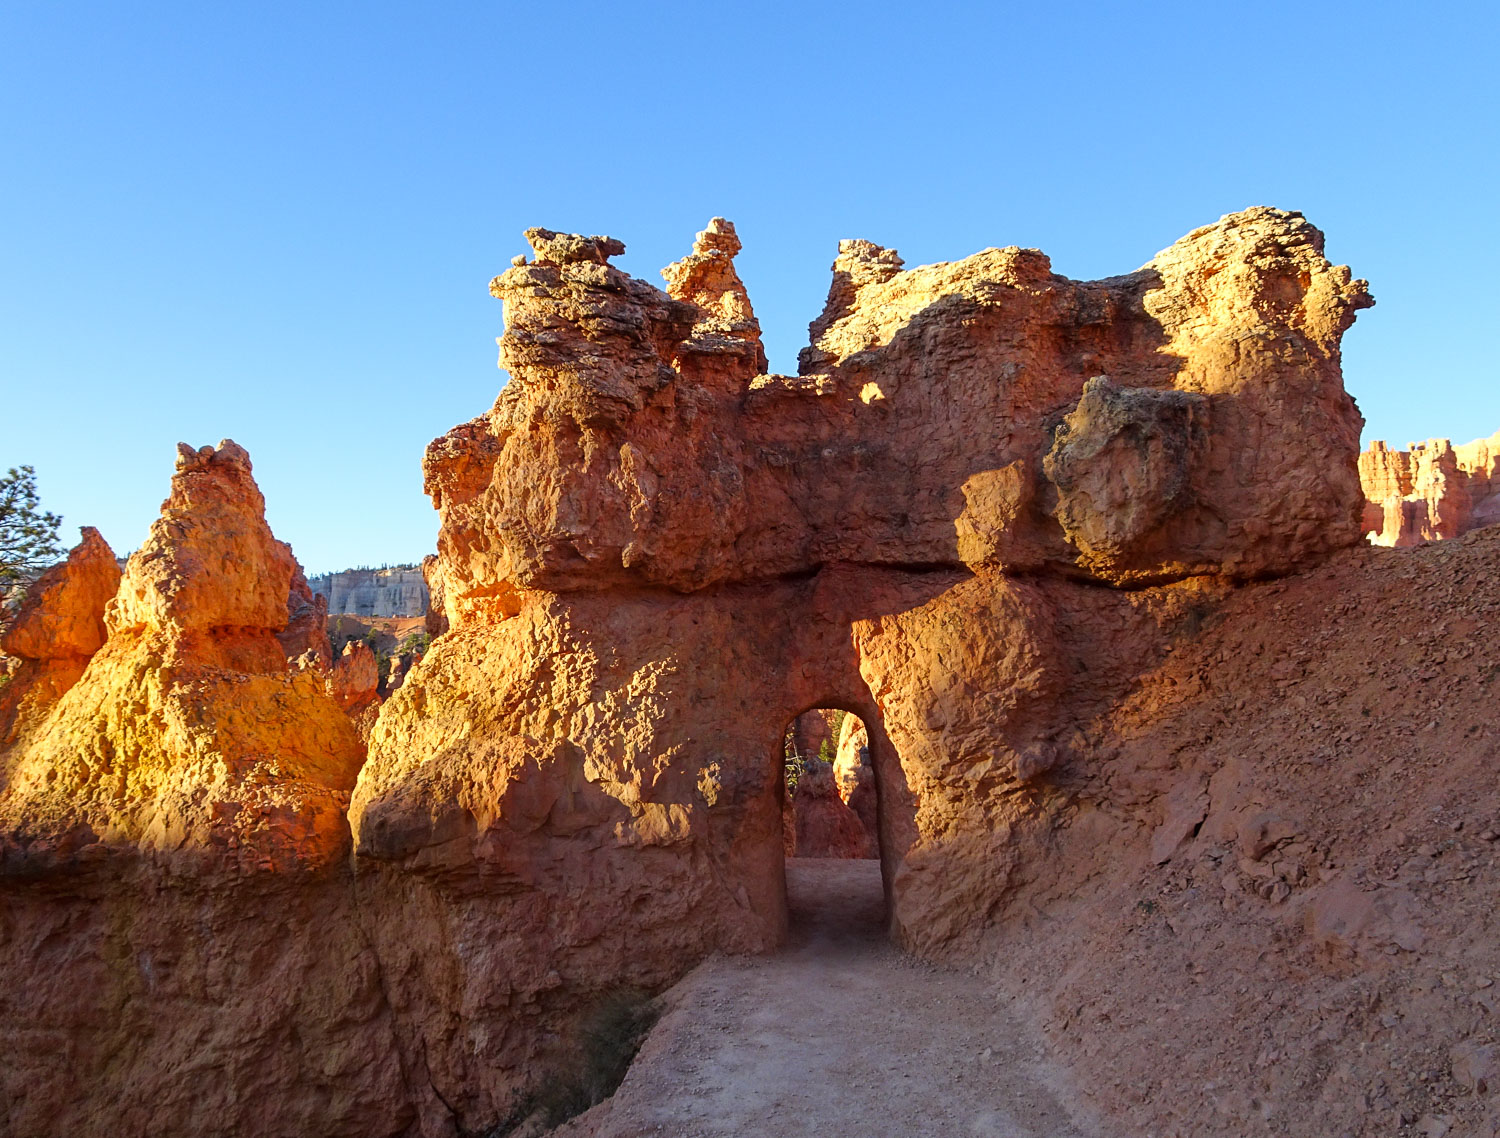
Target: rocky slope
1277	865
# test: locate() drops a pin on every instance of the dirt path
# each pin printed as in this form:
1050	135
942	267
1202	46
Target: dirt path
838	1036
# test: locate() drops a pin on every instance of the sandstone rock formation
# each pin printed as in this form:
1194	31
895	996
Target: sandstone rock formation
354	684
853	775
437	616
851	755
818	818
653	558
1431	491
355	678
171	837
158	746
678	465
306	623
812	731
400	664
399	590
823	825
58	628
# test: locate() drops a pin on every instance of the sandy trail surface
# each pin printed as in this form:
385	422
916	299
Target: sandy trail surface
837	1035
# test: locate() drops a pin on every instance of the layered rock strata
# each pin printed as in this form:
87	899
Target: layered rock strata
654	556
399	590
1430	491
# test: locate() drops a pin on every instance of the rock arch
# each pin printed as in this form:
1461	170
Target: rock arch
653	556
984	509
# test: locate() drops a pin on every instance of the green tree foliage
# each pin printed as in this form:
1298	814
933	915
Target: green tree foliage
382	657
417	642
791	761
795	763
28	534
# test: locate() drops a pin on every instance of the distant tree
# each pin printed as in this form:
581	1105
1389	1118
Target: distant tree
791	761
28	534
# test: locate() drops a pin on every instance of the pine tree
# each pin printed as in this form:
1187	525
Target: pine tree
28	534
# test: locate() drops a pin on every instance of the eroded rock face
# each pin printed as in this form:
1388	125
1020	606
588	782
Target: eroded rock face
354	684
853	774
813	731
400	664
436	622
306	623
355	680
59	627
823	824
1431	491
187	731
653	557
1121	462
172	853
917	433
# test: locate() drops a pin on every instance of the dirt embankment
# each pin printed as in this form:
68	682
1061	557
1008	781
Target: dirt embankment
1319	955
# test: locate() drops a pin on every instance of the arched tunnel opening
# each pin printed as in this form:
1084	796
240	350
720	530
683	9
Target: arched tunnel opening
830	817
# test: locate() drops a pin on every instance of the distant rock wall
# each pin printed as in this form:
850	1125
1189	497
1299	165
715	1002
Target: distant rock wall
1430	491
398	591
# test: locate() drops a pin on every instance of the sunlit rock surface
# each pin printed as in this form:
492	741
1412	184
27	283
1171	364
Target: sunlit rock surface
994	500
1431	491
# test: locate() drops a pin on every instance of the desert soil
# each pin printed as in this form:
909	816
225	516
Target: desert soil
837	1035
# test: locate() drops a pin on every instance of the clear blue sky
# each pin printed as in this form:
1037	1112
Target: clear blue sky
275	222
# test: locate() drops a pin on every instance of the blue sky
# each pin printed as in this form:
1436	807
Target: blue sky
276	222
